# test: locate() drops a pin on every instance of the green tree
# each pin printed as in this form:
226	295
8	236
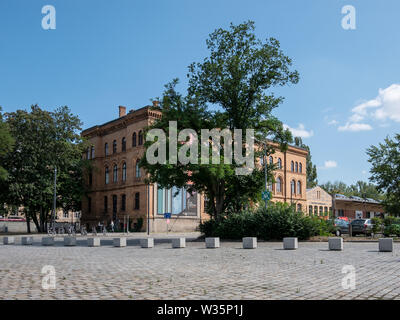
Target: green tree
227	90
311	168
43	140
385	171
6	144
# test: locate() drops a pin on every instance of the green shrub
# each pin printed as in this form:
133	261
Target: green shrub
389	220
276	222
393	229
137	227
377	225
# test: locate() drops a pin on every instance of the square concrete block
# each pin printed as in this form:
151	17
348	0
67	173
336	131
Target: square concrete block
147	243
26	241
249	243
386	244
119	242
8	240
179	243
335	243
93	242
212	243
290	243
69	241
47	241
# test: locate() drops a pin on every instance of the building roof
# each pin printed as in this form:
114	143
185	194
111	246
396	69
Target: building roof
342	197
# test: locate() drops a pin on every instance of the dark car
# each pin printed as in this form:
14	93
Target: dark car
341	227
361	226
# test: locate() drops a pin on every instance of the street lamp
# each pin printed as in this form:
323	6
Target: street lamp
54	199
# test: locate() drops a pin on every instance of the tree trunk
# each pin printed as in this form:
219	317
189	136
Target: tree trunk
28	224
36	222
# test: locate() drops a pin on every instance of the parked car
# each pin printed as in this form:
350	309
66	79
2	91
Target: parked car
341	226
361	226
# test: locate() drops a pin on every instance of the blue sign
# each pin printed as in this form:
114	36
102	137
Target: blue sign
167	215
266	195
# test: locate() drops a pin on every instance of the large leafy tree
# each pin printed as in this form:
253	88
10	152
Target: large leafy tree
6	143
43	141
385	171
227	90
360	189
311	168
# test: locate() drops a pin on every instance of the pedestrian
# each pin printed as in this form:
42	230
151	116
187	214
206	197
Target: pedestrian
112	226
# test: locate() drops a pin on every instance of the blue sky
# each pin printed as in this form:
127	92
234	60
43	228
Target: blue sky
109	53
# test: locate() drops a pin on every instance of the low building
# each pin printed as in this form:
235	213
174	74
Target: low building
356	208
319	202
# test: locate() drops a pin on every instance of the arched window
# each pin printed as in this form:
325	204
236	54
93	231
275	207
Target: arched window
106	149
123	144
140	137
321	211
137	201
123	202
299	187
134	139
292	166
88	153
315	210
297	167
124	172
115	146
293	187
279	163
279	184
115	173
300	168
271	160
299	208
137	169
107	179
310	210
92	152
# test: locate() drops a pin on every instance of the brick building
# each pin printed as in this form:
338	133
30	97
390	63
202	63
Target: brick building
356	207
319	202
290	176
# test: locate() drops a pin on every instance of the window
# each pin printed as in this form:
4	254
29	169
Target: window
310	210
299	187
300	168
297	167
124	172
89	204
88	153
123	144
279	163
326	211
115	199
176	201
271	160
134	139
315	210
140	137
292	166
279	184
115	146
92	152
137	201
123	202
137	169
105	203
293	187
299	207
106	149
321	211
107	179
115	173
77	215
65	214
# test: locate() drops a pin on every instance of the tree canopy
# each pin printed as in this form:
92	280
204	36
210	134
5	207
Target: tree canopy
311	168
227	90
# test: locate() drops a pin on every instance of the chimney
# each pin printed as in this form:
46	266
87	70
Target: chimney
122	111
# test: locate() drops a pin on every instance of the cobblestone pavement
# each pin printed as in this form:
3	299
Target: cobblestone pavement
230	272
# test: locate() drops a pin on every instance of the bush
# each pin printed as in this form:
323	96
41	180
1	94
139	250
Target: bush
393	229
377	225
276	222
137	227
389	220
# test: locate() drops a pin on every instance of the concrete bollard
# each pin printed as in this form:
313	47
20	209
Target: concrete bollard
386	244
8	240
335	243
179	243
290	243
26	241
147	243
212	243
69	241
249	243
120	242
47	241
93	242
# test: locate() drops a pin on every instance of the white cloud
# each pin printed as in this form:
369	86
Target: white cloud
329	164
354	127
333	123
385	106
300	131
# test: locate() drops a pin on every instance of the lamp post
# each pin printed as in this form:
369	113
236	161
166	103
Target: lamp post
54	199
